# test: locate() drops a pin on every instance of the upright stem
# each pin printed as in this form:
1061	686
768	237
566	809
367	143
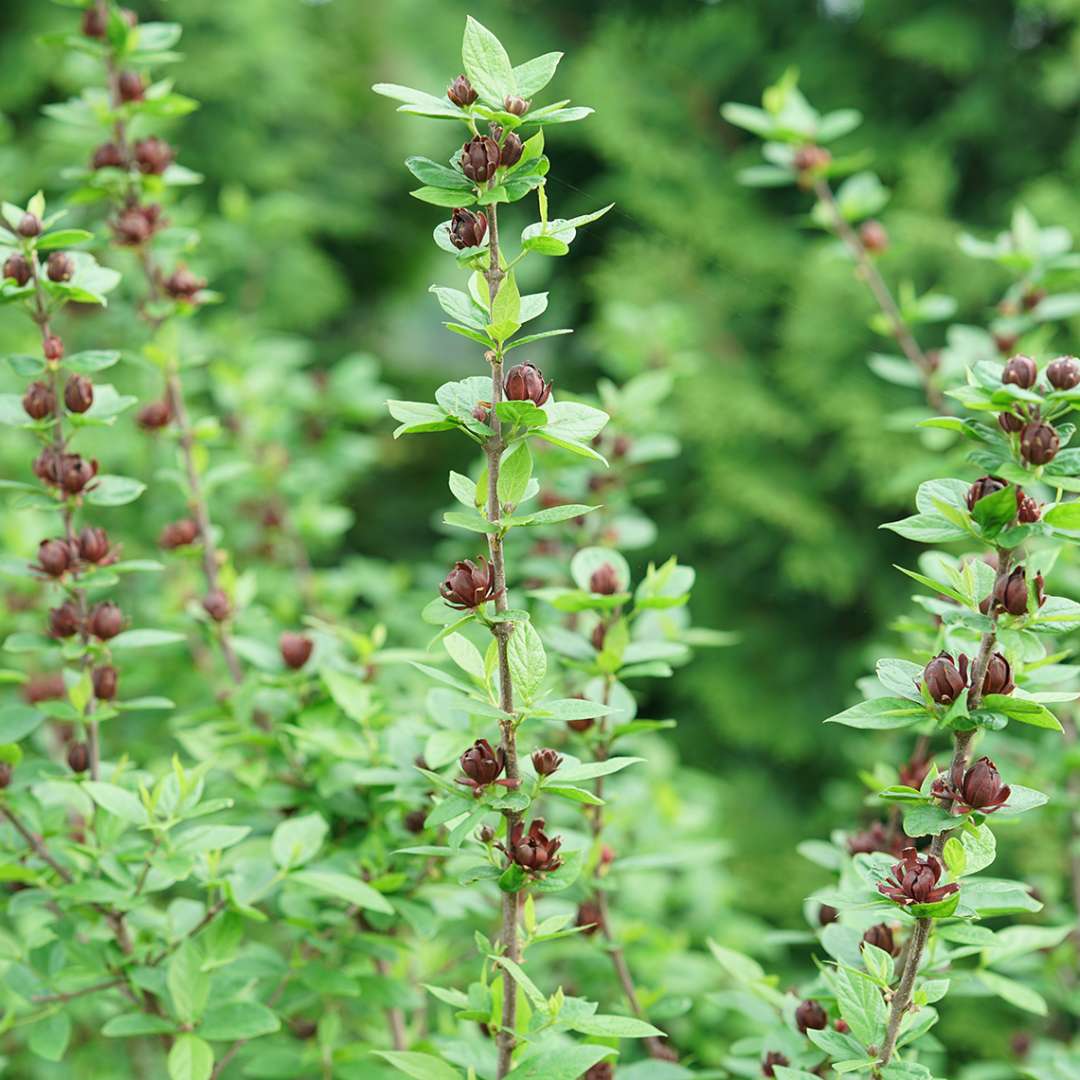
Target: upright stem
961	750
876	283
493	449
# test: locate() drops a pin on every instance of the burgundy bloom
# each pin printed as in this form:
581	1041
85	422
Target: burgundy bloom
29	226
873	236
1064	373
1028	511
136	224
516	105
810	1014
78	393
53	348
130	85
913	772
827	914
106	620
998	678
55	557
604	580
461	92
105	679
216	605
182	284
482	765
881	937
512	149
1010	422
153	155
944	681
17	267
470	584
295	649
1011	592
1020	371
771	1060
76	472
45	687
874	838
1039	443
95	22
78	758
525	382
94	545
533	851
589	917
39	401
982	789
60	266
178	534
467	229
64	620
985	485
153	416
914	880
810	159
108	156
480	158
546	761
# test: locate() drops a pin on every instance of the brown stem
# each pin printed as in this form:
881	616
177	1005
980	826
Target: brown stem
394	1015
505	1039
1073	833
71	995
876	283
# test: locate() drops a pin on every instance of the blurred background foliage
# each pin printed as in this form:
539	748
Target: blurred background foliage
793	451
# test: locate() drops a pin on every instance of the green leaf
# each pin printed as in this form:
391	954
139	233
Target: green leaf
49	1038
528	661
239	1020
190	1059
123	804
1015	993
343	887
188	984
532	76
297	840
590	770
486	63
1022	709
114	491
515	472
419	103
419	1066
506	310
18	721
615	1027
573	794
437	196
435	175
994	512
1064	515
145	638
880	714
562	1063
130	1025
927	528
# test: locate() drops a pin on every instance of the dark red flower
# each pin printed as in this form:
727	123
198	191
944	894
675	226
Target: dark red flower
998	678
53	348
55	557
546	761
94	545
106	620
216	605
470	584
944	681
874	838
1010	422
154	415
295	649
811	159
78	393
45	687
982	789
136	224
108	156
512	149
985	485
525	382
78	757
480	158
17	267
461	92
914	880
467	229
589	917
1020	371
533	851
516	105
827	914
482	765
130	85
95	22
60	266
1064	372
1028	511
913	772
39	401
182	284
604	580
29	226
771	1060
873	236
105	679
64	621
881	936
178	534
1011	592
153	155
76	472
1039	443
809	1015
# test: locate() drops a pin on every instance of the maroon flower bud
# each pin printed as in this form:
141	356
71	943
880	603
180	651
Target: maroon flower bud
130	85
1032	298
604	580
54	557
64	620
78	393
873	236
546	761
106	620
182	284
94	544
998	678
771	1060
914	880
482	766
985	485
598	636
811	158
29	226
467	229
525	382
53	348
581	725
1005	341
104	680
481	413
178	534
17	267
95	22
533	851
913	772
153	155
108	156
136	224
842	1026
1064	372
981	788
47	687
602	1070
461	92
1011	592
5	774
1039	443
295	649
827	914
60	266
512	149
486	834
216	605
1010	423
589	917
810	1014
943	679
470	584
1028	511
414	820
480	158
154	415
78	757
881	937
76	472
1020	371
39	401
875	838
518	106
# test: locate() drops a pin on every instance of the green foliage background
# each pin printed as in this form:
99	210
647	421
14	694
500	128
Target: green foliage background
793	451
